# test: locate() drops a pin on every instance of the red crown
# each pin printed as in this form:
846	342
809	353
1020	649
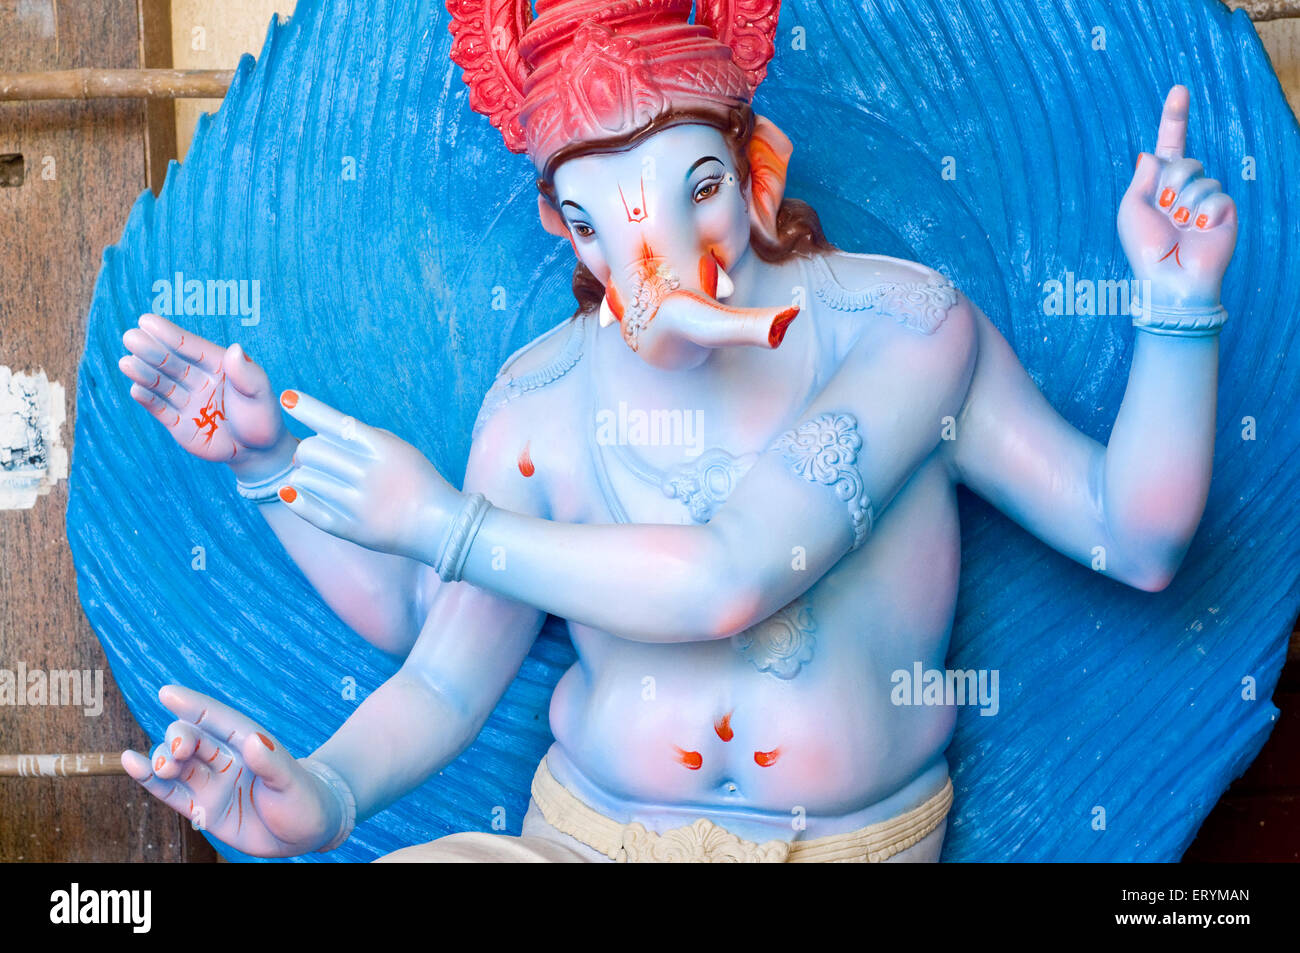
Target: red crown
590	70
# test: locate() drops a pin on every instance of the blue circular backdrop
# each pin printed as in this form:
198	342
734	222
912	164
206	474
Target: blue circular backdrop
381	218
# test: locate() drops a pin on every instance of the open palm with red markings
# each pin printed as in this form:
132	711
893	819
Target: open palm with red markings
214	401
1177	227
219	769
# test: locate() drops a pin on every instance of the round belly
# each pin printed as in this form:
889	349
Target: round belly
814	725
701	725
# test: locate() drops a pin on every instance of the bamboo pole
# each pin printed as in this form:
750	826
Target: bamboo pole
1267	9
97	764
116	84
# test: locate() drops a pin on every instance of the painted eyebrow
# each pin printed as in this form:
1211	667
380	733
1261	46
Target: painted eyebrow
699	162
575	205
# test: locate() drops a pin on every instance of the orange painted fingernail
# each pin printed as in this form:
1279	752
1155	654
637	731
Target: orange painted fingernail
288	494
157	765
1182	215
289	398
1166	200
247	358
1202	221
175	744
266	741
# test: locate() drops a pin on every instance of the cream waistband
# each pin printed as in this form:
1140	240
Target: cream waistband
704	841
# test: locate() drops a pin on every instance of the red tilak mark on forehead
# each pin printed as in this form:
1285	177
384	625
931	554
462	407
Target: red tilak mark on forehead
1174	251
723	727
637	213
765	759
691	759
526	461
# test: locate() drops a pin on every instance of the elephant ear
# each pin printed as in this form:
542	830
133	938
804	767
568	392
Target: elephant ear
769	159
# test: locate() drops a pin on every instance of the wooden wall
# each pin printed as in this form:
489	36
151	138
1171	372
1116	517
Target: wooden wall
54	229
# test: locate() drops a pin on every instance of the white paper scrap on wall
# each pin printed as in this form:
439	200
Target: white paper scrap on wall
32	456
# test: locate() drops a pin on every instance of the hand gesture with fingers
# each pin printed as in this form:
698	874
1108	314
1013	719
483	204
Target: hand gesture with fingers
1177	227
214	401
222	771
366	485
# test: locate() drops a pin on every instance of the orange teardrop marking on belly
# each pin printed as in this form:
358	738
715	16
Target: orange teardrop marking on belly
691	759
723	727
765	759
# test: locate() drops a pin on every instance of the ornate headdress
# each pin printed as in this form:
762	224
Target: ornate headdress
586	71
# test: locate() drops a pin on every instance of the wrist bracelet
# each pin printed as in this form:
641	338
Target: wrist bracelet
347	802
1182	322
264	491
455	548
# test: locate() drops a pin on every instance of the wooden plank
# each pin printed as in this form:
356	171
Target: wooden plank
159	114
84	167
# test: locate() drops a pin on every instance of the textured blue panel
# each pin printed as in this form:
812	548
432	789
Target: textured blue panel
376	295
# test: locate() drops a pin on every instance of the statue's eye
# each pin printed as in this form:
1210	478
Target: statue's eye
708	188
584	230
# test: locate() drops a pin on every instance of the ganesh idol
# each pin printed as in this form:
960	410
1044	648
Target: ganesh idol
737	601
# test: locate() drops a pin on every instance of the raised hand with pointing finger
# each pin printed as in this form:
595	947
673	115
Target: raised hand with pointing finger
1177	226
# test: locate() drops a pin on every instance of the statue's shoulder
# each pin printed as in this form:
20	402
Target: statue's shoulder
535	366
910	293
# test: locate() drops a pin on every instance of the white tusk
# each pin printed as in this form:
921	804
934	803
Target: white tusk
726	287
606	313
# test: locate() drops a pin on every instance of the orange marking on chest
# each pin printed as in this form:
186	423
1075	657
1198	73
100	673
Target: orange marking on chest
765	759
690	759
526	461
723	727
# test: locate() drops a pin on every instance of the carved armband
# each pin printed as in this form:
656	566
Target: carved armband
1180	322
825	450
460	536
347	802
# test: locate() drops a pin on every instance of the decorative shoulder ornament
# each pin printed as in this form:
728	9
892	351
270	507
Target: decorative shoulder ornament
825	450
508	387
920	305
